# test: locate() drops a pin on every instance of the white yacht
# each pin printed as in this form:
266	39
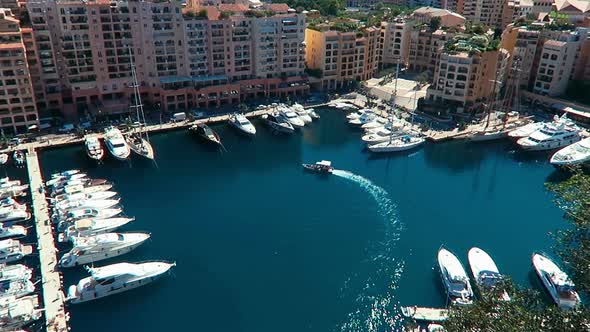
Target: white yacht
489	134
7	182
86	204
241	122
278	123
10	202
377	136
16	312
116	278
8	231
557	282
364	118
292	118
551	136
575	154
357	114
343	106
83	189
69	172
16	287
399	143
89	227
454	278
15	272
525	130
140	145
79	214
484	269
116	144
80	196
93	147
12	250
3	158
98	247
14	191
56	181
10	214
377	122
314	115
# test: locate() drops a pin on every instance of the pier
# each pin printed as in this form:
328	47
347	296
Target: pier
53	296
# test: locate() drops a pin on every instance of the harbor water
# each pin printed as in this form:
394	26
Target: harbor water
263	246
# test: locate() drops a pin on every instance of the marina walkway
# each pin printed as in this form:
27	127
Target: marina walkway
53	296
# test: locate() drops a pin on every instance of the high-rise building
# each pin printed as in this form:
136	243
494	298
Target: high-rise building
394	41
488	12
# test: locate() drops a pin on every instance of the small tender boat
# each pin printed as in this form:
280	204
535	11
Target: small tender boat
484	269
116	144
557	282
574	154
206	133
454	278
323	167
16	313
140	145
89	227
277	123
99	247
12	231
240	122
3	158
93	147
399	143
116	278
12	250
19	158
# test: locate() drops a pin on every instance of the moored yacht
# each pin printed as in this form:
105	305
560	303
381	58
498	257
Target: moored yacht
484	269
241	122
93	147
67	173
101	246
116	144
10	214
551	136
16	287
377	136
82	189
377	122
357	114
205	132
489	134
15	272
80	196
525	130
16	312
454	278
79	214
292	117
399	143
60	180
366	117
12	250
89	227
140	145
87	204
116	278
15	231
278	123
557	282
574	154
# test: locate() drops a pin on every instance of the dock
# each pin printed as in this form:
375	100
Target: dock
425	314
53	296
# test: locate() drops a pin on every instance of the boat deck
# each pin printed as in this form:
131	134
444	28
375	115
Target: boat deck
427	314
53	296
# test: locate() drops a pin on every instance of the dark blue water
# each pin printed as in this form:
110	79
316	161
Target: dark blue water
262	246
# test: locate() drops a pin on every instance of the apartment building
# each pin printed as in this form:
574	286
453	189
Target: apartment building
394	42
486	12
341	57
17	103
183	59
515	9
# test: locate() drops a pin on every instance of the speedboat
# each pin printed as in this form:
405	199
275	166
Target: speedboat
140	145
399	143
116	144
87	204
15	231
241	122
3	158
79	214
15	272
82	189
323	167
205	132
116	278
454	278
377	122
89	227
292	118
98	247
557	282
12	250
16	287
79	196
93	147
16	313
19	158
554	135
525	130
574	154
484	269
278	123
363	119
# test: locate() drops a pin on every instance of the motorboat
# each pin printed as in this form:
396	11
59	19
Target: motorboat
3	158
67	173
314	115
205	132
99	247
82	189
12	250
553	135
378	136
14	191
574	154
377	122
93	147
292	117
12	231
116	144
557	282
358	114
363	119
484	270
61	179
489	134
19	158
454	278
241	122
116	278
278	124
89	204
15	272
9	202
525	130
302	113
140	145
16	313
396	144
79	214
89	227
9	214
16	287
343	106
7	182
80	196
79	181
323	167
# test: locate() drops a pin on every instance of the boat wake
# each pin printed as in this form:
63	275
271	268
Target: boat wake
375	308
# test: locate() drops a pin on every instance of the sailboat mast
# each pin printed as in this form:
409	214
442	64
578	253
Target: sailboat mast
137	96
492	99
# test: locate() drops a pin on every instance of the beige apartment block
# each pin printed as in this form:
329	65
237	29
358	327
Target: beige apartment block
395	41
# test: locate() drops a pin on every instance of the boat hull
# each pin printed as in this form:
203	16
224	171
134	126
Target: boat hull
378	148
100	256
546	146
147	151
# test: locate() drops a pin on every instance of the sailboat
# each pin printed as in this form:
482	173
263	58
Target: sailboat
138	140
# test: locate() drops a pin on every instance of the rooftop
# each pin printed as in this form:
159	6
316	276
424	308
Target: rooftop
572	5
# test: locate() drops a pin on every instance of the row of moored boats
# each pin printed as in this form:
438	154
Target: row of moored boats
87	214
118	145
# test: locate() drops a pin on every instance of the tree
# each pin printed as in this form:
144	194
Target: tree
435	23
243	108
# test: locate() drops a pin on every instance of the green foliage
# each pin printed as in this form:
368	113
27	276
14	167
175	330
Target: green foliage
435	23
225	14
202	13
326	7
315	72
